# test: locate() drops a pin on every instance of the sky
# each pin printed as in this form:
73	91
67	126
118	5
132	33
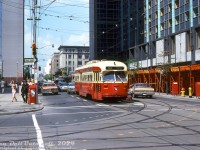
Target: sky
62	22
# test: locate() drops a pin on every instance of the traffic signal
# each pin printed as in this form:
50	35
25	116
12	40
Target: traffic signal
39	68
34	49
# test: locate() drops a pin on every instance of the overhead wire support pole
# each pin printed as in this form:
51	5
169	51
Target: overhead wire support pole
34	45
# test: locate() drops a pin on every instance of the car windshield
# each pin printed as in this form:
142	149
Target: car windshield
114	76
71	84
63	84
49	84
142	85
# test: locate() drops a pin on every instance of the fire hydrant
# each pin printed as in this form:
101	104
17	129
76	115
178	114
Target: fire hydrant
183	92
190	92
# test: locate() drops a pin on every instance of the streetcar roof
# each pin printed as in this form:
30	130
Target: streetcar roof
103	65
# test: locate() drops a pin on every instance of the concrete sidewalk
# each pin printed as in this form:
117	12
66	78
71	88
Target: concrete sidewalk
177	97
8	107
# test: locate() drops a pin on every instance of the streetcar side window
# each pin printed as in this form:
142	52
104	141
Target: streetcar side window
96	76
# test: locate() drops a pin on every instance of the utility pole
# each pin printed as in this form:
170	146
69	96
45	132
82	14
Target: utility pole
34	45
34	40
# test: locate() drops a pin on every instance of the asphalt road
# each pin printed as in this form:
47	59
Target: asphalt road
72	122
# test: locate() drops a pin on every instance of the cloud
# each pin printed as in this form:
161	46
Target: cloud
78	40
47	68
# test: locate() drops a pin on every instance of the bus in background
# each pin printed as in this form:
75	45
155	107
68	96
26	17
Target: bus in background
102	80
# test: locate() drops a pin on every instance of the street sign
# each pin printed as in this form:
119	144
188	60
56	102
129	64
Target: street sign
28	60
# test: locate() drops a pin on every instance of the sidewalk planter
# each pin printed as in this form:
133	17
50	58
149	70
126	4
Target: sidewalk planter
32	94
197	87
174	90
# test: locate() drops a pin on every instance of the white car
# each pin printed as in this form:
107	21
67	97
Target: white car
71	88
62	86
142	89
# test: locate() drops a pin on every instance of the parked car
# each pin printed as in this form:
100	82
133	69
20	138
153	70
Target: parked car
142	89
62	86
49	88
71	88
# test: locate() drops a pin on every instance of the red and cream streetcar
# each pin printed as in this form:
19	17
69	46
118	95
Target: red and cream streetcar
102	79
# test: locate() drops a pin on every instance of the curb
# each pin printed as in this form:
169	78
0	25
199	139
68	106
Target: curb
22	111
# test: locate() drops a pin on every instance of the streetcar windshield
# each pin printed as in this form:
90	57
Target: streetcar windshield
115	76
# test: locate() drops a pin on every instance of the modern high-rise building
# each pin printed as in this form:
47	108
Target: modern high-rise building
11	39
160	38
115	26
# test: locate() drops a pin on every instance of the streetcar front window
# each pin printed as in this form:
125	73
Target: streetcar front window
115	76
120	76
109	76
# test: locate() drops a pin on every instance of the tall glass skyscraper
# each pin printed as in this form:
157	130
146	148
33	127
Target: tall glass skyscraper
160	38
115	26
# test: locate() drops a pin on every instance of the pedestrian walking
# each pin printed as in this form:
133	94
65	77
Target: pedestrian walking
2	86
14	90
24	91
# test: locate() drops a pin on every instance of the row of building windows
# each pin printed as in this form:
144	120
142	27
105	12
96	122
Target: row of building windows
177	3
80	56
76	51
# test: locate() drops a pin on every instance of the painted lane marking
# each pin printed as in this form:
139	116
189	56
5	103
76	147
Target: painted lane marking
39	133
83	113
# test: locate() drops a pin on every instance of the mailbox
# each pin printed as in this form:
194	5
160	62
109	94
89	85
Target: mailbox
174	90
32	94
197	89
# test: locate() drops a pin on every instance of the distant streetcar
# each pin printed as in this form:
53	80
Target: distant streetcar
102	80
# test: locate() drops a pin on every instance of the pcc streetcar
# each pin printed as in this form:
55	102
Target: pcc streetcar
101	80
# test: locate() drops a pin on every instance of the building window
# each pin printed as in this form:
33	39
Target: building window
170	23
195	12
69	56
186	1
79	56
169	7
86	56
161	12
176	20
187	16
156	15
79	63
69	62
198	38
162	26
150	4
176	4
